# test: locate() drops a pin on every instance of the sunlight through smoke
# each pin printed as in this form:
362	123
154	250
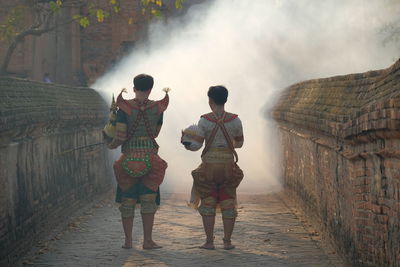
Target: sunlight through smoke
255	48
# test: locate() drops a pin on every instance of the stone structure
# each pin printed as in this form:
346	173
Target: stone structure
78	56
57	52
103	44
341	153
42	181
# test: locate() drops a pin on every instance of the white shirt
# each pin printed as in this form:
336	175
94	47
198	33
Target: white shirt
233	127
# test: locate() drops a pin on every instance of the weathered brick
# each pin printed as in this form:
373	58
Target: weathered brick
362	189
359	184
362	214
41	185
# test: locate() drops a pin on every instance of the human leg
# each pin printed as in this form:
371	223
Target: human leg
148	222
207	212
229	224
208	224
149	207
229	214
127	209
127	224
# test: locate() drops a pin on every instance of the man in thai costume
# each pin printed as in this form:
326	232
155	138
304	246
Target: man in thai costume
216	179
139	171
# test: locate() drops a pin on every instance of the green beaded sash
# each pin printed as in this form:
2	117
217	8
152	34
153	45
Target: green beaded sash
137	166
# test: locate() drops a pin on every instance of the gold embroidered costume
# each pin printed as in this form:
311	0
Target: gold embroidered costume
216	179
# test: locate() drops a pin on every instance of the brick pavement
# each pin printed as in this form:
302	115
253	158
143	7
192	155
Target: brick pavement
267	233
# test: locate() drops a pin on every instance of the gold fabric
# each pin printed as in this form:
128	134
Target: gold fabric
120	131
208	176
127	207
228	208
148	203
218	155
215	182
109	130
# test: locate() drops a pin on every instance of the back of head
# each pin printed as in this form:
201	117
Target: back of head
143	82
219	94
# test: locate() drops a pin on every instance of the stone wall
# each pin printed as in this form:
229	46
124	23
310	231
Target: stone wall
57	52
341	153
78	56
104	44
42	180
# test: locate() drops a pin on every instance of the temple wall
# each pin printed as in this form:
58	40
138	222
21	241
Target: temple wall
341	153
42	181
74	55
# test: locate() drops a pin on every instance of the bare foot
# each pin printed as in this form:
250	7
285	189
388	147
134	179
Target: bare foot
150	245
208	245
128	244
228	244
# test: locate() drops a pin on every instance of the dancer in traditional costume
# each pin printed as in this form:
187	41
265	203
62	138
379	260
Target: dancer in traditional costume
139	171
216	179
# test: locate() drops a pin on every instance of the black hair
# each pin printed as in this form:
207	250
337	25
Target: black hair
143	82
219	94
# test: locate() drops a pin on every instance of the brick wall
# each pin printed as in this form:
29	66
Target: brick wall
78	56
56	52
104	44
341	153
40	185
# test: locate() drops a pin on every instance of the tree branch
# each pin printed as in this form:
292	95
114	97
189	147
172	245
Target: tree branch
33	30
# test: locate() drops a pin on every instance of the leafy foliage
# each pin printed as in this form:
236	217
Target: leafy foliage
12	24
153	7
55	5
14	27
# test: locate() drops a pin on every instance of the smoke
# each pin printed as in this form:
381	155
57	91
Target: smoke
256	49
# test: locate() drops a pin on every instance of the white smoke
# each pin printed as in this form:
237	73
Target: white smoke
255	48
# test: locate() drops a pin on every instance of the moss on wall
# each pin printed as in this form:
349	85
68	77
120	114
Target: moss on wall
42	185
341	158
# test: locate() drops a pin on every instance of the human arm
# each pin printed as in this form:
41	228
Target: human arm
238	138
193	137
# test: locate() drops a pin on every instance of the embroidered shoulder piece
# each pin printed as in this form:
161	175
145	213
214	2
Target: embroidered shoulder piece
123	104
228	117
163	104
127	107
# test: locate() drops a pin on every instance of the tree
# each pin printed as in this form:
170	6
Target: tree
15	28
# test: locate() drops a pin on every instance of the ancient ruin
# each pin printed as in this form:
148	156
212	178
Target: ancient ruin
43	178
341	146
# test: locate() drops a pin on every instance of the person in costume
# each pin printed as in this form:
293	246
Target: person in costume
216	179
139	171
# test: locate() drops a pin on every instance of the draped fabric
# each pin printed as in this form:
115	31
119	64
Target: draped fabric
139	166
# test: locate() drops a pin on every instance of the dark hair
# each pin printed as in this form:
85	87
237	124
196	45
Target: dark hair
219	94
143	82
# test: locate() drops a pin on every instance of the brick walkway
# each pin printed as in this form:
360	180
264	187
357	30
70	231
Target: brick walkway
267	233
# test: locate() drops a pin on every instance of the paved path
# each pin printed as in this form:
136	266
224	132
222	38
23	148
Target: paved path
267	233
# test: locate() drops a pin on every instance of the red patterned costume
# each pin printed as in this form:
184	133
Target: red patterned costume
139	171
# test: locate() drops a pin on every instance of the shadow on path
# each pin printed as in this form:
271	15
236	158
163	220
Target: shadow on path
267	233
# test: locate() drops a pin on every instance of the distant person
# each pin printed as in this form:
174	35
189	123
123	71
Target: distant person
216	179
139	171
46	78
